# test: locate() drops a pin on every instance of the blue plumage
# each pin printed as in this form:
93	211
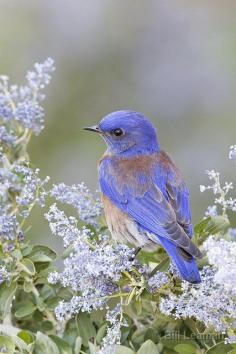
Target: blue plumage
145	197
187	268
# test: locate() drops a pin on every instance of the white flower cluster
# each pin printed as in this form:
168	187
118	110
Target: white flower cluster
20	185
8	227
28	189
221	193
232	233
4	274
64	227
112	338
91	270
208	302
157	281
32	186
20	105
7	136
79	196
211	211
222	255
232	152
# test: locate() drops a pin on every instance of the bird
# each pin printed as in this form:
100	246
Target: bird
146	201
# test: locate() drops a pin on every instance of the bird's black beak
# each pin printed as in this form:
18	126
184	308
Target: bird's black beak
93	128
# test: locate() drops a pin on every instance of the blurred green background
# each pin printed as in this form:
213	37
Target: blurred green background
175	61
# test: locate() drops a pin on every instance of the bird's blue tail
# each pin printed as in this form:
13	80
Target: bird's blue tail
186	267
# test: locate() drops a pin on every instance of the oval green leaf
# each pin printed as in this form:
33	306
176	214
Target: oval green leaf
220	348
26	336
92	348
185	349
62	345
120	349
85	327
7	342
45	345
19	343
78	345
42	254
26	249
101	333
217	224
28	266
148	347
47	325
6	295
24	309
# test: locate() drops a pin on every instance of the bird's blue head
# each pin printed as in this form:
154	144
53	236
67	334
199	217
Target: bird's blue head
127	133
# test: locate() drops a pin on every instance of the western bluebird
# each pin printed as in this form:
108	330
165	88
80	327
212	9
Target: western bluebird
145	198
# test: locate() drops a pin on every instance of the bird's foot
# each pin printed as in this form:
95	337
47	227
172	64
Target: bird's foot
137	250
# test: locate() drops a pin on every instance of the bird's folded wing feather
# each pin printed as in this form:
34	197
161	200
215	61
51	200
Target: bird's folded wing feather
178	194
152	194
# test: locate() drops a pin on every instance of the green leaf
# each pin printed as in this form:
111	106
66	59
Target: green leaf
92	348
64	293
26	249
120	349
126	330
201	225
85	327
219	348
68	251
28	286
52	303
185	349
7	342
47	325
28	266
1	252
138	338
147	257
78	345
148	347
161	266
26	336
217	224
17	255
25	308
42	254
101	333
38	316
45	345
195	327
200	233
47	292
152	335
62	345
138	306
171	342
40	303
19	343
233	345
6	295
42	267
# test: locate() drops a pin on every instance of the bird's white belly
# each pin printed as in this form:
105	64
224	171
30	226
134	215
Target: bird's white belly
124	230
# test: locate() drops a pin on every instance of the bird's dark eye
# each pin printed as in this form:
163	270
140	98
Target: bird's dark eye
118	132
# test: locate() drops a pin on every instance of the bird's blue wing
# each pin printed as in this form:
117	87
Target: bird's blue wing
142	195
177	193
